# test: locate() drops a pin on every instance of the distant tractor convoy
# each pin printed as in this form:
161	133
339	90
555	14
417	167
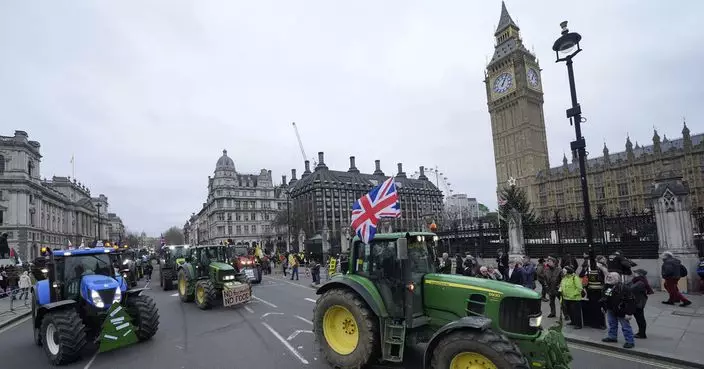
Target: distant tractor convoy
389	300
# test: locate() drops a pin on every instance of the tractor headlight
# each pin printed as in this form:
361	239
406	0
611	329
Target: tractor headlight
45	271
126	261
535	322
97	300
118	296
228	277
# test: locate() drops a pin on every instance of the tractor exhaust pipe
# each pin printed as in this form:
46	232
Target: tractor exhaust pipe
51	276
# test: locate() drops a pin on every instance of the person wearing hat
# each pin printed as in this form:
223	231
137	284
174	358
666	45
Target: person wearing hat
571	290
641	289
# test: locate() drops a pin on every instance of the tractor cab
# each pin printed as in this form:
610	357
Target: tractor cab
245	261
396	264
175	254
210	260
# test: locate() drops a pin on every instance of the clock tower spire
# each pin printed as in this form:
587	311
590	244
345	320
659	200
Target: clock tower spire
515	100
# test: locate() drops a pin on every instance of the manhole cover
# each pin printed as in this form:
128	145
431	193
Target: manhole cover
685	313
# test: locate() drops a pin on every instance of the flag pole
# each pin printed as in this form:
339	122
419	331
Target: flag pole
73	166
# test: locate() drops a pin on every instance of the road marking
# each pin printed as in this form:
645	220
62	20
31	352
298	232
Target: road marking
632	358
91	361
285	343
174	294
296	284
15	324
267	314
296	333
249	309
265	302
311	300
304	319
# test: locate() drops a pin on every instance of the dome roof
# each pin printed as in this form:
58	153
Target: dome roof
225	162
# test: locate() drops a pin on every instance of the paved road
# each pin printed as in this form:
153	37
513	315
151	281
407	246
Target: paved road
274	331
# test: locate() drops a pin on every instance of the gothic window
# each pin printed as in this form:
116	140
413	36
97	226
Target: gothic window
623	189
560	198
600	195
624	206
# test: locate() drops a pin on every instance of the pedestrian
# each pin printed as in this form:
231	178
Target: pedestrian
529	274
569	260
553	277
502	261
148	269
445	266
459	269
592	313
540	274
640	288
514	273
315	272
672	270
700	273
4	246
293	262
619	305
284	263
571	291
621	265
24	284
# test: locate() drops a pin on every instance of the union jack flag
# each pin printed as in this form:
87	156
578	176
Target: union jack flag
380	202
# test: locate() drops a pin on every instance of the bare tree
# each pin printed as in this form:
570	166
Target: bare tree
174	236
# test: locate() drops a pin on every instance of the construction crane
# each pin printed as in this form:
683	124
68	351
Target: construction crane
300	144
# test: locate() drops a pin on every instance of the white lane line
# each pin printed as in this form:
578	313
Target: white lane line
249	309
296	333
267	314
174	294
295	284
622	357
303	319
285	343
265	302
311	300
15	324
91	361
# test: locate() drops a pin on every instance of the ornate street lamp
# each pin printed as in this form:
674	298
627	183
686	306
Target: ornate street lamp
566	48
99	206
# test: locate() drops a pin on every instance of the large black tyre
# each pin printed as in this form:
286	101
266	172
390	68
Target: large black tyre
36	330
66	336
161	278
167	279
489	345
185	290
365	322
206	294
144	314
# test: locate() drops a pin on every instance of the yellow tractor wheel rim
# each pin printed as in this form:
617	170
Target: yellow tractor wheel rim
340	330
471	360
200	294
182	286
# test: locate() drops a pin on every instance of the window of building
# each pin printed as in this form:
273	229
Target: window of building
229	216
246	229
2	215
623	206
229	230
246	217
600	194
623	189
2	164
254	216
219	192
238	217
560	198
252	193
266	216
30	168
238	229
221	203
254	228
237	204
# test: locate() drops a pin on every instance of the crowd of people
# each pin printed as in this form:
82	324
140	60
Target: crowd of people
603	295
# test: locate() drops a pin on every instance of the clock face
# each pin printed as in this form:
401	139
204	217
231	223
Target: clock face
533	78
503	82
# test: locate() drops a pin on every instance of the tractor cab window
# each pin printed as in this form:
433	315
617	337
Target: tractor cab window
420	255
377	260
75	267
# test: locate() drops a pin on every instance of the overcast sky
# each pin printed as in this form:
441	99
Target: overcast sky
146	94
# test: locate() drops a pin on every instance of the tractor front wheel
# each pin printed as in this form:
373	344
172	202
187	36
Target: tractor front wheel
206	294
348	332
168	279
145	314
185	293
477	349
63	336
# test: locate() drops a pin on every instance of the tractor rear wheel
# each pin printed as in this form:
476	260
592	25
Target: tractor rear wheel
185	293
63	336
168	279
35	328
145	315
477	349
347	330
206	294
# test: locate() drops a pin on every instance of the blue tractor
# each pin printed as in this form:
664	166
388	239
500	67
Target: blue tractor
80	299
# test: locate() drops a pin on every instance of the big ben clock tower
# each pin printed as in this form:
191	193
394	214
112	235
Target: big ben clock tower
515	98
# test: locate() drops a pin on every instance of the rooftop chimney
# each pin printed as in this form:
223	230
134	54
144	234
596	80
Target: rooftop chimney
422	176
321	161
377	165
283	179
307	171
269	173
293	174
401	173
353	166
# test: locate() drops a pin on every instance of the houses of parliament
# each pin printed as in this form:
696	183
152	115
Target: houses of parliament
618	182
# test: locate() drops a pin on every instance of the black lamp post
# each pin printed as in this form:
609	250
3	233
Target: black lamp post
567	47
288	219
99	206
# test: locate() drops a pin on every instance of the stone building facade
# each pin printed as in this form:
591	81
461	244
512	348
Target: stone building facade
617	181
322	200
37	212
239	206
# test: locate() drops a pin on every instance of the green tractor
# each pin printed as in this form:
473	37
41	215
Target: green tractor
392	299
206	276
173	257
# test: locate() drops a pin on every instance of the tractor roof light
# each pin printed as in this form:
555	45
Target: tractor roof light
411	286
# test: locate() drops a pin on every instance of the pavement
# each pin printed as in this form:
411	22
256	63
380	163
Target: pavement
274	330
11	312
